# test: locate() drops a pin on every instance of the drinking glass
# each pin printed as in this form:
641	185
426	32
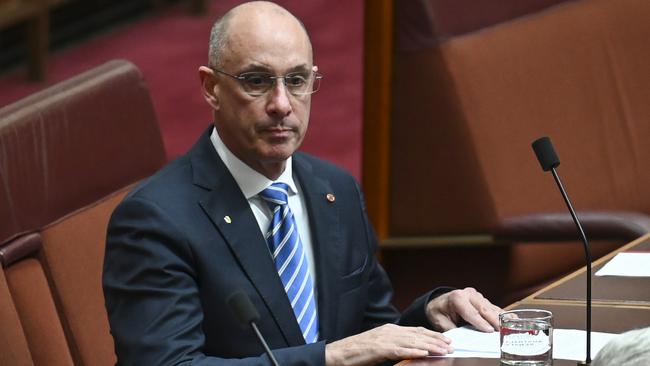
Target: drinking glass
526	337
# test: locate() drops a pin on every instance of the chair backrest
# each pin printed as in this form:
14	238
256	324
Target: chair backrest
67	156
73	251
576	71
73	143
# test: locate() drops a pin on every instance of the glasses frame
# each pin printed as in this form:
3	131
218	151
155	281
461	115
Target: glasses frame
241	78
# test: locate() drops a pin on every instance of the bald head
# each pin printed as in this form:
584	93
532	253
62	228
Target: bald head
256	19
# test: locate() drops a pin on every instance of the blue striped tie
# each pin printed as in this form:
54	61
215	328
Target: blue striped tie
291	260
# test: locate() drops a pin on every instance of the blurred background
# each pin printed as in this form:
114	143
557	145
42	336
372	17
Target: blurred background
168	41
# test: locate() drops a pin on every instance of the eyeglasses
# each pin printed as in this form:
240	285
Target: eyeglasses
259	83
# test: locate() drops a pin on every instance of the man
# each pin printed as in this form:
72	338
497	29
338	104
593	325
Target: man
243	211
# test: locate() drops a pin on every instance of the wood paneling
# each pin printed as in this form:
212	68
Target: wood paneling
378	51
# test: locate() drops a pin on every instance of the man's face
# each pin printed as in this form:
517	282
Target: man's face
263	130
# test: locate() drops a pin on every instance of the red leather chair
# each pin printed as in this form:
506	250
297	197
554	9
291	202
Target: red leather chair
67	156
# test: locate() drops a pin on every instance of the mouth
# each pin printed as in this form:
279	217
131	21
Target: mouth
277	131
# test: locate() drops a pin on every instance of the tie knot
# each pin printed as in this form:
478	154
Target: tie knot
276	194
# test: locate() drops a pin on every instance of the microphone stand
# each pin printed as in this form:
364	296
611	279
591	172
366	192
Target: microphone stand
263	342
588	257
244	310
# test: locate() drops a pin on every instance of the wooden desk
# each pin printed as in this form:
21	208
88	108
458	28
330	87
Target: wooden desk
605	290
604	318
619	304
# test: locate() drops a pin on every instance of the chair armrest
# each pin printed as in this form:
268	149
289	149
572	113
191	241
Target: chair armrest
598	225
19	248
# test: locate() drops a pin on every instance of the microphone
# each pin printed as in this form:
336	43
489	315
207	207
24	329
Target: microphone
245	312
549	160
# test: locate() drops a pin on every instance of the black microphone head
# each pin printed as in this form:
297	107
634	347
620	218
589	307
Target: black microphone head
546	153
243	309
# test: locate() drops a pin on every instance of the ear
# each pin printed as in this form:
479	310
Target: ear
209	86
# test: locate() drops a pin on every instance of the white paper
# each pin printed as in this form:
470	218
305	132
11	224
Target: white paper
568	344
628	264
468	342
571	344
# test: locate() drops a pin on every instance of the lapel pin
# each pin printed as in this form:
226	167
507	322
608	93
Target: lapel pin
330	197
227	219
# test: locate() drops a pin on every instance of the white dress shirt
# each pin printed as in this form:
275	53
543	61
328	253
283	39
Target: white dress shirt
252	183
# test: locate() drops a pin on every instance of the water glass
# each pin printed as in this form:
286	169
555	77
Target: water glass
526	337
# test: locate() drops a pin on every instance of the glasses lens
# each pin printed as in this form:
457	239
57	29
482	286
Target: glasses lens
302	84
297	83
316	82
256	83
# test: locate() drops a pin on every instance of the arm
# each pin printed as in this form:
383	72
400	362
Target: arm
382	339
414	337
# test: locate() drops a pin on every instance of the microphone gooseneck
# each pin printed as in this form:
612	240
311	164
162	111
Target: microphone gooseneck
245	312
549	160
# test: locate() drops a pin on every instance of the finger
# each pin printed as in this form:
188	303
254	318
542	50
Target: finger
444	323
435	347
419	338
434	342
430	333
405	353
487	310
470	309
492	315
474	318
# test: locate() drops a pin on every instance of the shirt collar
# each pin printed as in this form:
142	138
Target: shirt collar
250	181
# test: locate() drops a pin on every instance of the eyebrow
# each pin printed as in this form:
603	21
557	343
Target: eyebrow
267	69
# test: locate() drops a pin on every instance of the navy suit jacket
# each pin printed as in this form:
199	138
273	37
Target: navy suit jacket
172	260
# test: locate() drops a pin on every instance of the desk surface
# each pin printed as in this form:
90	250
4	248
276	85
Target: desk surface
604	318
608	289
619	304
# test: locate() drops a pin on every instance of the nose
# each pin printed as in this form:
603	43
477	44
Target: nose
279	103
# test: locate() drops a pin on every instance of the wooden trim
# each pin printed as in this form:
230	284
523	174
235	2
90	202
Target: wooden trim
38	36
442	241
378	54
568	303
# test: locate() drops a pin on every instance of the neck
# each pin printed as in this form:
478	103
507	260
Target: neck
270	170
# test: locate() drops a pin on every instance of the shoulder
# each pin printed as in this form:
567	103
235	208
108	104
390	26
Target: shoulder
322	168
185	177
328	177
173	179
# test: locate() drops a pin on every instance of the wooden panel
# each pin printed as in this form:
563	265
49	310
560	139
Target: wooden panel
378	47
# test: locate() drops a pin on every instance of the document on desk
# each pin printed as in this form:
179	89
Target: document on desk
630	264
568	344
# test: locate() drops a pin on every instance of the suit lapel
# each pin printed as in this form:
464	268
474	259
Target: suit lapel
324	225
230	212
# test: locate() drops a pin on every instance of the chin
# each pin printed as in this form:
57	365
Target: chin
279	153
277	158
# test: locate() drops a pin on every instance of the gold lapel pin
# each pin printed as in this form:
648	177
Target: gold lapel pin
227	219
330	197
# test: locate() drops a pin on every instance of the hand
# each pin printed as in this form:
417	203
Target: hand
387	342
446	310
